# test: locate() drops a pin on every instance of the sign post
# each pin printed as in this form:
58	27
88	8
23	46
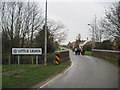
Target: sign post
18	59
27	51
32	60
9	59
36	60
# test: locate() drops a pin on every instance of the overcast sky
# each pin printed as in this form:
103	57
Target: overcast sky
76	14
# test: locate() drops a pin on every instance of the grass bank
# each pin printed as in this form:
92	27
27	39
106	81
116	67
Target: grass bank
25	76
88	53
114	63
110	61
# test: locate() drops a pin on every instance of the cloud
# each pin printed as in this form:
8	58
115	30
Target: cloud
76	15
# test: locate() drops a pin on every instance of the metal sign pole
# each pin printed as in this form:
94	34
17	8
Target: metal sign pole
9	59
36	60
45	56
18	59
32	59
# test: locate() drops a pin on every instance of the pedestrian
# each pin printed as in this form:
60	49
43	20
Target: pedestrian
78	51
75	51
81	51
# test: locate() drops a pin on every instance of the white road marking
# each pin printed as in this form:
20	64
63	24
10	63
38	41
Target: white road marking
69	68
50	81
58	75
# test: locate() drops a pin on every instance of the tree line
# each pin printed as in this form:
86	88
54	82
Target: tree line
107	27
23	25
104	30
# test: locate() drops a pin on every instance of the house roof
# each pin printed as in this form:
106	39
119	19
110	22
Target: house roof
89	43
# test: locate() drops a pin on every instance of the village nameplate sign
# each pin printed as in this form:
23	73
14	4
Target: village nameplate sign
27	51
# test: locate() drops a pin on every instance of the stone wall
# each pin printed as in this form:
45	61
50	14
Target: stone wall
63	55
106	54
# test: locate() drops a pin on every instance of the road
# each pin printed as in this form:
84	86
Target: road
87	72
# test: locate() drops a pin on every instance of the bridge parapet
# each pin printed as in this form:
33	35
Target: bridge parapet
64	55
106	54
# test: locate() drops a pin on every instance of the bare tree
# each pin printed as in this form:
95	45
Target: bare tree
57	31
18	24
110	24
95	30
20	21
79	37
35	21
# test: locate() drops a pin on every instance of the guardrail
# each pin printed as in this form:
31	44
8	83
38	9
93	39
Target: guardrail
106	54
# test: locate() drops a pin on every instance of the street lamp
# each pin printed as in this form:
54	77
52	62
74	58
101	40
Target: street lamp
92	32
101	32
92	35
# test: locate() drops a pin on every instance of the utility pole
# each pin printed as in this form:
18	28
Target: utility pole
93	37
45	48
94	32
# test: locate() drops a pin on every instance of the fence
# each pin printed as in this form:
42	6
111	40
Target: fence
106	54
24	59
29	59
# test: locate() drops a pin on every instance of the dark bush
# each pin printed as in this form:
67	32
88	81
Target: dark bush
87	47
105	45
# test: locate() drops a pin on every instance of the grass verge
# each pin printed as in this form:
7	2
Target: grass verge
88	53
30	75
115	63
110	61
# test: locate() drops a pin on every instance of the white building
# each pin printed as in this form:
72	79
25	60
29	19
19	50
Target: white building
83	43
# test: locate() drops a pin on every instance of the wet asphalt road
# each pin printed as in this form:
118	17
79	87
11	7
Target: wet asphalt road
87	72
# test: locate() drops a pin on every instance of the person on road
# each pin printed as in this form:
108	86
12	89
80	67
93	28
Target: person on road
75	51
82	51
78	51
